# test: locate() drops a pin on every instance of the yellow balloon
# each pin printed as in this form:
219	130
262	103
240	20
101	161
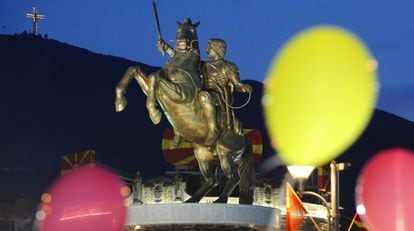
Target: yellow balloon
319	95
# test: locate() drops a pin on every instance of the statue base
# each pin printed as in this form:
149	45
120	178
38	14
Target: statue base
194	216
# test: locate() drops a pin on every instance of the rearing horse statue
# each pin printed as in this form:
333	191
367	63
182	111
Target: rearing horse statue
175	88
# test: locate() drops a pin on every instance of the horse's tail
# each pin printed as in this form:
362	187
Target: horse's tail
247	175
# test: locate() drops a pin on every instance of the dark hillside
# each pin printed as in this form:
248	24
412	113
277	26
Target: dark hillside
57	99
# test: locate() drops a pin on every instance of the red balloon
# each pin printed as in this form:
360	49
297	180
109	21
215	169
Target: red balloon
384	191
87	198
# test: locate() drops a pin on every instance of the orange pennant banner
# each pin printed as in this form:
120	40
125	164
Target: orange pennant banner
295	211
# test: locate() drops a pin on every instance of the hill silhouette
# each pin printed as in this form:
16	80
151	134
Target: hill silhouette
58	99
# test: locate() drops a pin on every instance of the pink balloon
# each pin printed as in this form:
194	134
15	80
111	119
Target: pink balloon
384	191
87	198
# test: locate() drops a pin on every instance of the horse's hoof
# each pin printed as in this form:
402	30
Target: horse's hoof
120	104
119	107
222	200
191	200
155	116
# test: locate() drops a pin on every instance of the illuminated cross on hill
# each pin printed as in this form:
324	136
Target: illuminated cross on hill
34	16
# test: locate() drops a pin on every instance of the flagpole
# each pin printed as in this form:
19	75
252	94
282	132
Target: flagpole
335	168
314	223
352	222
335	195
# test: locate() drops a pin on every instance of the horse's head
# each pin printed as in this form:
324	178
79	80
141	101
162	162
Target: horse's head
186	39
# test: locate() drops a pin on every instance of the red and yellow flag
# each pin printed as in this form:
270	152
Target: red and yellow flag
295	211
70	162
184	153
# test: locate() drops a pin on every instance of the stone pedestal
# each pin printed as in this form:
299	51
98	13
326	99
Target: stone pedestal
203	217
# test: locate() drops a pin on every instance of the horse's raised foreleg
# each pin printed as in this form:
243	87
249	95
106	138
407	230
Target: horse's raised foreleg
208	168
154	112
120	90
161	87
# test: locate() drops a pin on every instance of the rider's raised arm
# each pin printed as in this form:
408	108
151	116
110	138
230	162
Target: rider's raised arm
234	77
165	47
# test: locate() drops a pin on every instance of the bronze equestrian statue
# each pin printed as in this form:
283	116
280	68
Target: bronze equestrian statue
175	89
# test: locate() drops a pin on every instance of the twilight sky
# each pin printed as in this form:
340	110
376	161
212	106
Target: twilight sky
254	31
